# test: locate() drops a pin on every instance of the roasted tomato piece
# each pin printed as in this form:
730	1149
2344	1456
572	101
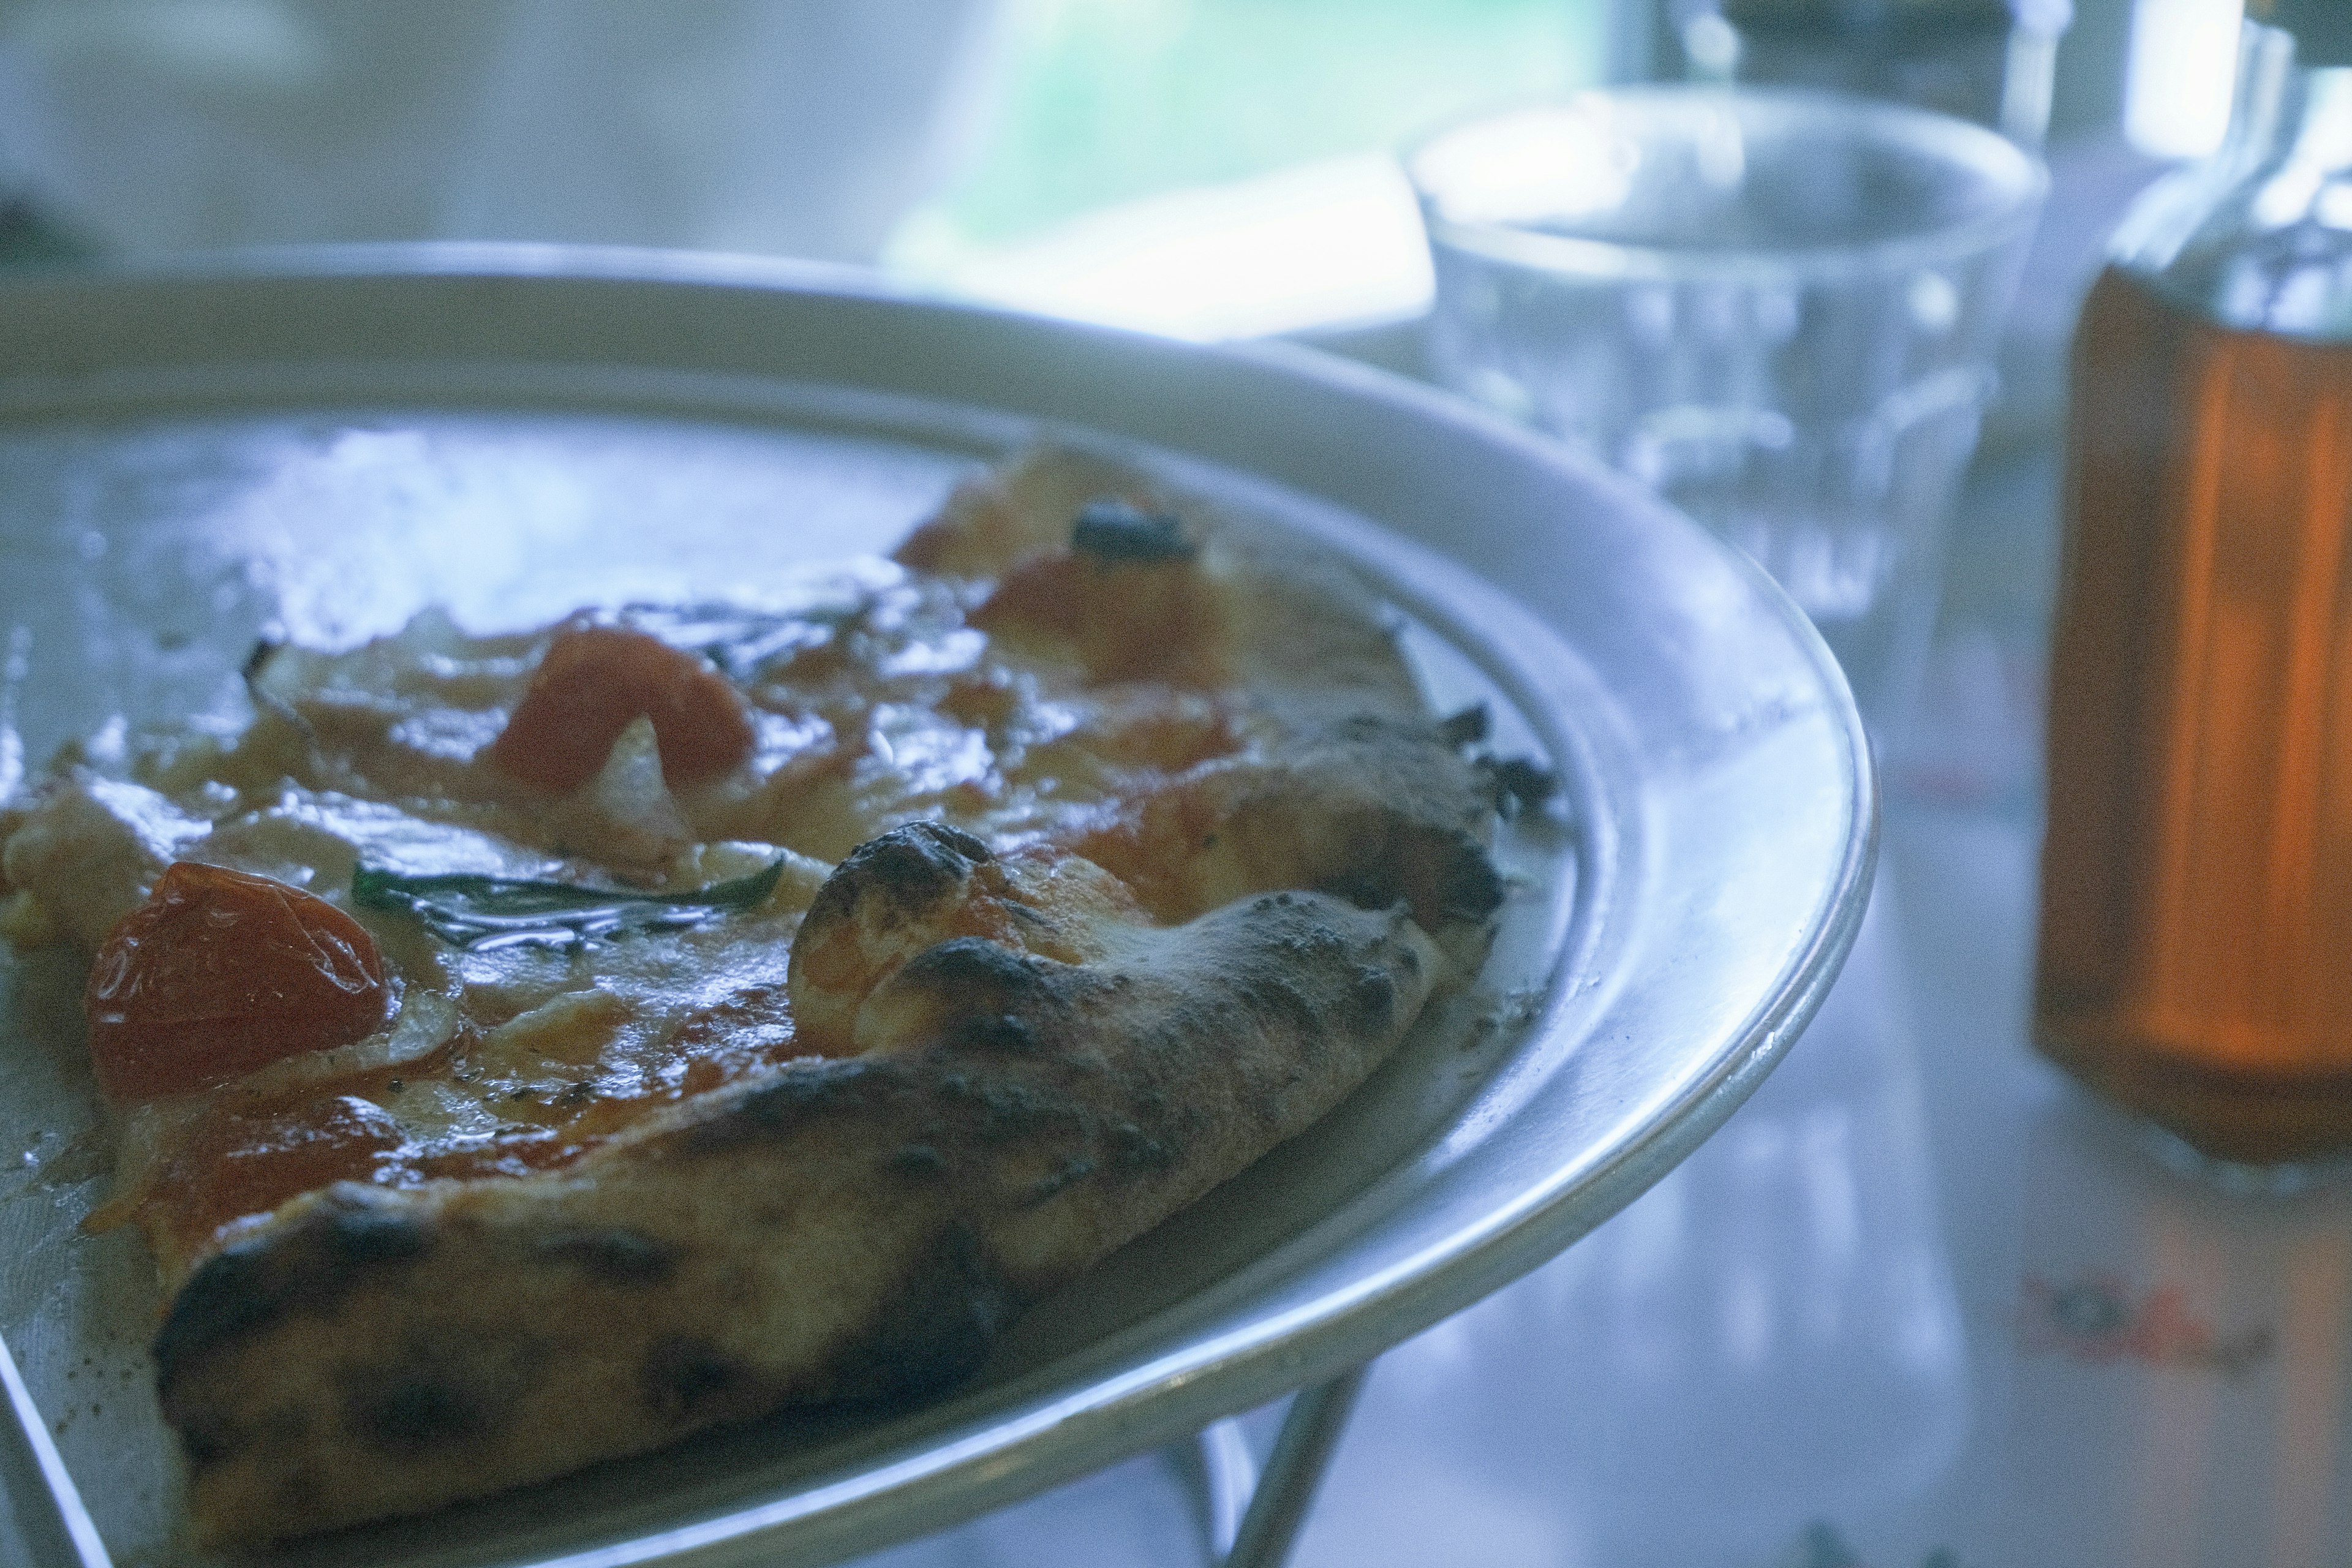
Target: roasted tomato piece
218	974
596	680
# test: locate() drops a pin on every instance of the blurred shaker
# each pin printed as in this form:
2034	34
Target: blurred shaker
1992	61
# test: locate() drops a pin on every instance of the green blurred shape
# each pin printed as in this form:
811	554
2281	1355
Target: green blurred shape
1110	100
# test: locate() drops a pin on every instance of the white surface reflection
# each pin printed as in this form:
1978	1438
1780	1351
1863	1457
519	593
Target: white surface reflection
2194	1337
1771	1332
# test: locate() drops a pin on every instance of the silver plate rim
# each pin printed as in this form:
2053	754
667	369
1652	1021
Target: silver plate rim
55	321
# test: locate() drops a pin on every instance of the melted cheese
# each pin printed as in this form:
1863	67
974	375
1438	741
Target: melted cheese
878	703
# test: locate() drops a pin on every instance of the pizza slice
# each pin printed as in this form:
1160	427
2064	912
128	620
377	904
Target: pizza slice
526	1050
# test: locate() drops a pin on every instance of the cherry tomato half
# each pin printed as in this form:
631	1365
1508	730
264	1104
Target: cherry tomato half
220	973
594	682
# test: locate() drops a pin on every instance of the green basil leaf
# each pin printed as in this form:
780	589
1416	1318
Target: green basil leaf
485	912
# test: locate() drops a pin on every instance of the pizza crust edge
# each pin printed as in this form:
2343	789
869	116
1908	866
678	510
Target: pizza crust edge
858	1229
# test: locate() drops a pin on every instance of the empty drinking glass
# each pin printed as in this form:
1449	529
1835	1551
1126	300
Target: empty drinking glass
1778	310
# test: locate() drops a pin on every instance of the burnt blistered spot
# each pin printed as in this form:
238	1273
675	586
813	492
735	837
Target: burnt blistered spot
1466	727
365	1233
1443	874
996	1032
1519	785
683	1375
1072	1169
780	1105
1366	887
1469	888
1131	1148
207	1437
919	1159
1115	532
1373	996
1281	1007
307	1266
908	869
995	1110
979	972
230	1293
989	998
612	1256
945	1314
404	1414
1013	1110
1405	957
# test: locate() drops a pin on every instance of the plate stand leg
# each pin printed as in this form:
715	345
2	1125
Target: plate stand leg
1254	1516
56	1528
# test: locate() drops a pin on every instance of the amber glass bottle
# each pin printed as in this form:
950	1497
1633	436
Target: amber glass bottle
2196	937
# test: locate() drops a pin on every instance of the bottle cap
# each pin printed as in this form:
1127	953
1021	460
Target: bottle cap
2322	28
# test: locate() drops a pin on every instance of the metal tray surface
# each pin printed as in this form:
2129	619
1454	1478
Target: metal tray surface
325	442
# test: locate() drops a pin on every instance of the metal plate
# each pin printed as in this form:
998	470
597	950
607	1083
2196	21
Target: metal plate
329	441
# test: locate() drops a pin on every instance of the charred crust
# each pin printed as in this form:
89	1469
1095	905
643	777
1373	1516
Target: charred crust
907	870
684	1376
919	1159
207	1435
307	1266
610	1257
987	999
230	1294
1116	532
948	1310
1373	997
1366	887
996	1032
1068	1171
1008	1110
1397	816
1466	727
1468	888
977	975
1281	1004
367	1234
407	1413
1519	784
1445	873
780	1106
1037	1100
1133	1149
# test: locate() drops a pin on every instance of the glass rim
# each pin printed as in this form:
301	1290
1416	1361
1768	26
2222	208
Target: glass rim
2017	180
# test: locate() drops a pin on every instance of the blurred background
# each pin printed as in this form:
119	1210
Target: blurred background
1205	168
